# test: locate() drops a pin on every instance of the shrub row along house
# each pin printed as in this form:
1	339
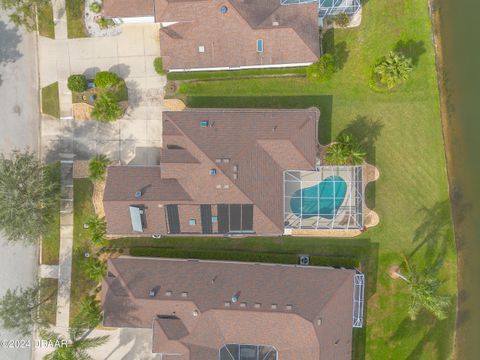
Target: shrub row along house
227	34
205	310
231	171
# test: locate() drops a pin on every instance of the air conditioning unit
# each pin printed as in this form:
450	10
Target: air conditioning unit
156	236
304	260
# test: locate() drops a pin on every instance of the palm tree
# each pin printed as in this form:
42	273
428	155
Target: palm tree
423	289
97	228
393	69
106	108
94	269
90	312
75	346
345	151
98	167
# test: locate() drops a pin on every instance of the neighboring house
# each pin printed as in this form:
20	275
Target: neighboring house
235	171
221	172
227	34
210	310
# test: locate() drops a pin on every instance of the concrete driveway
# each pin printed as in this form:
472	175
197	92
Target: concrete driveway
124	344
131	56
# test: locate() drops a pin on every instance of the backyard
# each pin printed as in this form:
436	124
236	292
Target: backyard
402	133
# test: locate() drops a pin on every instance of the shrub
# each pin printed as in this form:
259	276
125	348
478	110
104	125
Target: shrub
323	69
105	23
98	168
77	83
106	108
94	268
106	79
392	70
341	20
274	258
97	228
95	7
158	65
345	151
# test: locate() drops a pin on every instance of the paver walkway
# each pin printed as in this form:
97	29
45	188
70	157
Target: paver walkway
66	245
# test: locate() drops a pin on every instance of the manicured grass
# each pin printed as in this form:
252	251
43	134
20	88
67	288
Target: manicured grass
402	133
51	238
75	19
262	257
50	101
203	75
82	207
48	309
46	26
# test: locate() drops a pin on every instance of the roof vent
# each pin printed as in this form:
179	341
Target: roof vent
223	9
184	294
212	172
227	303
152	293
168	293
235	297
204	123
275	23
257	305
274	306
243	304
138	194
195	312
288	307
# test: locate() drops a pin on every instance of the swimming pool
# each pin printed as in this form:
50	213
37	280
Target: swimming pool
322	199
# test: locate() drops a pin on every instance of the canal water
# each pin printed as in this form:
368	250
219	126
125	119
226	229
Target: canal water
456	24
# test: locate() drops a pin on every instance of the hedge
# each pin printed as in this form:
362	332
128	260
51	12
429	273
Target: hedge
275	258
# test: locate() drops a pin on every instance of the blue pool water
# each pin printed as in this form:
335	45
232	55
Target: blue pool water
322	199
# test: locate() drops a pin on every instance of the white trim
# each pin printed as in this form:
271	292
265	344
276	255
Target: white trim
243	67
138	20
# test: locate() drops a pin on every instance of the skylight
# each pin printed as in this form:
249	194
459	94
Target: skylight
260	45
247	352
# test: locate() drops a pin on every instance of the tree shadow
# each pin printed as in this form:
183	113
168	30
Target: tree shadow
339	51
435	230
9	43
366	131
411	49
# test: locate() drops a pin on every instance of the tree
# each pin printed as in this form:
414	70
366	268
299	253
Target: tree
23	12
19	308
97	228
322	69
77	83
423	289
75	346
90	313
106	79
98	167
393	69
27	196
94	269
345	151
106	108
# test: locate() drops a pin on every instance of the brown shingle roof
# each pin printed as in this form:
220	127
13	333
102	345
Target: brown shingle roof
249	149
128	8
311	293
289	33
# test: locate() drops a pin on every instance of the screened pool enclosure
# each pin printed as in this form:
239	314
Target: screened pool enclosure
329	198
330	7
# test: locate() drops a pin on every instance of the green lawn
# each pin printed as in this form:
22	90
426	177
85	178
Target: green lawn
403	137
75	19
82	207
51	238
48	309
202	75
46	26
50	101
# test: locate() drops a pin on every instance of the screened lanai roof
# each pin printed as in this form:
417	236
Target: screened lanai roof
330	7
329	198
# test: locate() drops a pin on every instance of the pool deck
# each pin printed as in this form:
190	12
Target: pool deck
371	218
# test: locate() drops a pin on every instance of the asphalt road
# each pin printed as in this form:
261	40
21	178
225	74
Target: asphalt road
19	129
